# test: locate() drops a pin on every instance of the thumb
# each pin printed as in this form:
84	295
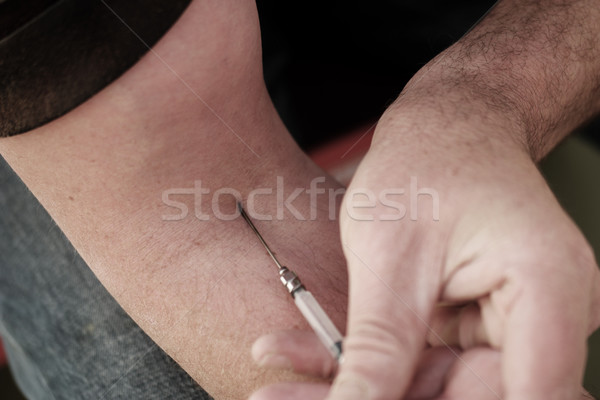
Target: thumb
390	304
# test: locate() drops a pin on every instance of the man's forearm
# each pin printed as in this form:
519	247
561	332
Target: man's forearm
531	67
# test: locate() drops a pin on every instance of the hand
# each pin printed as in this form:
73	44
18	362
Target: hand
493	300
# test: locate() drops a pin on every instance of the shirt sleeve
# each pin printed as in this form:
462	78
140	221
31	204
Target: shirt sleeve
56	54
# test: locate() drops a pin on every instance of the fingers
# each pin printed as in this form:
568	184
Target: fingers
585	395
461	326
539	316
292	391
546	329
299	351
304	353
431	371
390	304
442	373
538	312
475	376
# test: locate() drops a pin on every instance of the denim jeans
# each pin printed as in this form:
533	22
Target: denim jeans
65	336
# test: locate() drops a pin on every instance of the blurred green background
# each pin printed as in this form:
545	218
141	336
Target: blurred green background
573	172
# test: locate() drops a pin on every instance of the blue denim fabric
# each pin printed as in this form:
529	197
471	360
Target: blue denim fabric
65	336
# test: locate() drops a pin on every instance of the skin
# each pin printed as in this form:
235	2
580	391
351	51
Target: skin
504	274
459	127
203	290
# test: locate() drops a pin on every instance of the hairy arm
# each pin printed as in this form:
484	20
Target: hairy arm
195	109
531	67
487	235
471	125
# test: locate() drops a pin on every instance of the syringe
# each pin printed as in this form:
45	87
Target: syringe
305	301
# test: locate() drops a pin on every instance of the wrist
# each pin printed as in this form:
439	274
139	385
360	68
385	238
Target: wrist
539	88
449	122
454	156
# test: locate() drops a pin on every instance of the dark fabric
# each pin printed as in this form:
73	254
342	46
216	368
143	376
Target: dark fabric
65	336
57	54
15	15
331	66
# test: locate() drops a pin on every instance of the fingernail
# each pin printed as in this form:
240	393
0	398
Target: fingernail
349	388
273	360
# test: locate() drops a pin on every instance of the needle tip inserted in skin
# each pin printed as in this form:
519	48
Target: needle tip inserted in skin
265	245
305	301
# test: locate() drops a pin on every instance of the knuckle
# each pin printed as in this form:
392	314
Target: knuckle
386	340
582	253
